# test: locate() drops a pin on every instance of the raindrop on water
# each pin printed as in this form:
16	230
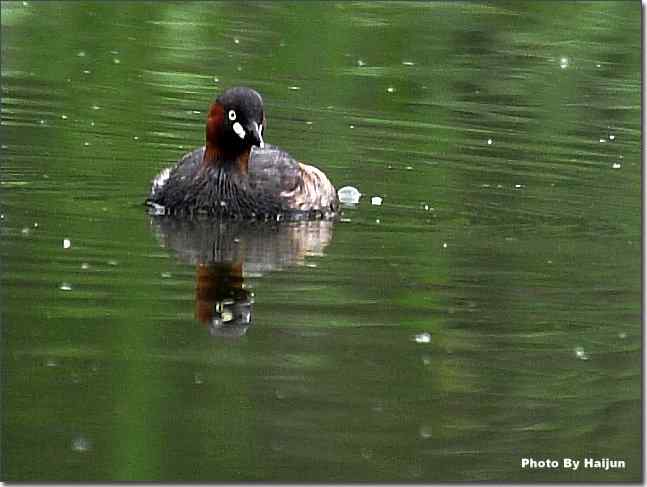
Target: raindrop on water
81	444
581	354
425	432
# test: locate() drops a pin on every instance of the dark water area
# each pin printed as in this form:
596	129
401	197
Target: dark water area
488	310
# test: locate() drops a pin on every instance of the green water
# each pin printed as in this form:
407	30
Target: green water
487	311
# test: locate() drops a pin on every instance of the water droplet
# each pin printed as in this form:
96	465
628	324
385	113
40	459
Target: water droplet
376	201
616	165
294	88
81	54
67	243
612	137
81	444
518	186
236	40
86	71
444	245
166	275
112	262
135	137
361	63
390	89
64	117
598	65
425	432
35	224
423	338
622	335
25	231
408	63
581	354
308	123
116	61
377	220
41	121
409	168
85	266
65	286
563	63
216	79
86	144
351	126
490	142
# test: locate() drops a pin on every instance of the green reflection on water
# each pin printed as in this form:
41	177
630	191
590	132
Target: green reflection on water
505	140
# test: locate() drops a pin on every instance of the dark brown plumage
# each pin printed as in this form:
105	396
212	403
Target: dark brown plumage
236	175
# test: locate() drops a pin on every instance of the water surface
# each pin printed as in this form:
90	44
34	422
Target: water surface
486	311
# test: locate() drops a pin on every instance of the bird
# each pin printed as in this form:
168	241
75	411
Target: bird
237	175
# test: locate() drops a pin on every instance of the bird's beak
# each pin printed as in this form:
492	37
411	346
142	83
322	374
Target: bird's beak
256	135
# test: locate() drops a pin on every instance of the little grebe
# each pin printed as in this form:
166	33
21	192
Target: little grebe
237	175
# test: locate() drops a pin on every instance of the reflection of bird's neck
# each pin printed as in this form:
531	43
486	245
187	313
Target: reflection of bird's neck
214	284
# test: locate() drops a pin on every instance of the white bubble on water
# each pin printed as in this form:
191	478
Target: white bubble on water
67	243
616	165
563	62
422	338
65	286
490	142
390	89
349	195
376	201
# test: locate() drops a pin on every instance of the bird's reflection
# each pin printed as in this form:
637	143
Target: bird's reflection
225	252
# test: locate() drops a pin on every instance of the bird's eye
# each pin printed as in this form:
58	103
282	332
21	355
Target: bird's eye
232	115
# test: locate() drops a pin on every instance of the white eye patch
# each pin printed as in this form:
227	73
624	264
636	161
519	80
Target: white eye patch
232	115
238	128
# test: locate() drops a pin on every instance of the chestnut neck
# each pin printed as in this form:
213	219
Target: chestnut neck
215	155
